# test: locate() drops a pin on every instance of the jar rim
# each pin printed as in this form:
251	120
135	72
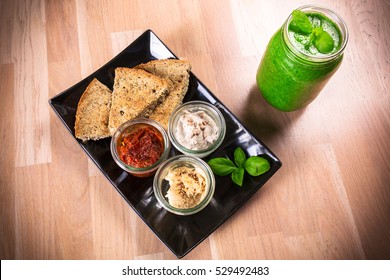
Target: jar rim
334	17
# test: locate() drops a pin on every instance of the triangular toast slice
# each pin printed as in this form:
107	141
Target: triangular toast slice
178	72
135	94
92	112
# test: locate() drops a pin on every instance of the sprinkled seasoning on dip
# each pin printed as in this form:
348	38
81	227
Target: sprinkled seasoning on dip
196	130
187	187
142	147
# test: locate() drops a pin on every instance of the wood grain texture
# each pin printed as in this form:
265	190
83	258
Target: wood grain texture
330	200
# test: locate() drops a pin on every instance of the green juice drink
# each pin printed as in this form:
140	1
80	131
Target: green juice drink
301	57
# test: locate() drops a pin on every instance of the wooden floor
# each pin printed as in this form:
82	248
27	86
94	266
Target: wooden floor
330	200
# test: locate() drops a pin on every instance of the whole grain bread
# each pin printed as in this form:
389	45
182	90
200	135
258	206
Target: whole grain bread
93	112
178	72
135	94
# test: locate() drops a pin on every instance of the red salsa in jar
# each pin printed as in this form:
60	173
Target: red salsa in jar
142	147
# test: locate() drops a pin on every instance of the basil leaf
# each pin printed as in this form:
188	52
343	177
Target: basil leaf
239	157
238	176
294	27
300	23
323	41
221	166
256	166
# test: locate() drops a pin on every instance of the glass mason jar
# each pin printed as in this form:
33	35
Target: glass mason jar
289	77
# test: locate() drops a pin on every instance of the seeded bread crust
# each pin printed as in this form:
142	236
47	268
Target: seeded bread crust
178	72
92	112
136	93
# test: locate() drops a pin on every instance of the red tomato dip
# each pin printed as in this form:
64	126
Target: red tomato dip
141	147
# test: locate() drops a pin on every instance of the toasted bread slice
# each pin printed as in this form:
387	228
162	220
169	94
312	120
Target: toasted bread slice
136	93
92	112
178	72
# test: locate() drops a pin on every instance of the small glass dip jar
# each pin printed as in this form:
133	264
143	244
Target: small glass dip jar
184	185
196	128
140	146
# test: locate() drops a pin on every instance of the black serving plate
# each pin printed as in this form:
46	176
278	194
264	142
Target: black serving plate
179	233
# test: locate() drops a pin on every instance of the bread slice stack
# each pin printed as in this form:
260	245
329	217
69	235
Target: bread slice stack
136	93
152	89
178	72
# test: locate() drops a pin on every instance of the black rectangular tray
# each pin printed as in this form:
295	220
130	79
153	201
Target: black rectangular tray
179	233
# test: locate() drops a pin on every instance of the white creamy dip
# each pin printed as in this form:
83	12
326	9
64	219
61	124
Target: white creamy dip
196	130
187	187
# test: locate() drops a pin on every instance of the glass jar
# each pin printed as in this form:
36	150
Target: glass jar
140	146
196	128
191	202
289	77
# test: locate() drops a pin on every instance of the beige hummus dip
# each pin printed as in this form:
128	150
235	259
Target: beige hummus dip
187	187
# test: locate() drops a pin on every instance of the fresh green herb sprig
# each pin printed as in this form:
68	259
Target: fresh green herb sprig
317	35
254	165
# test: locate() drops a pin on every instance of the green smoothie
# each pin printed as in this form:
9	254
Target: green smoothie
300	58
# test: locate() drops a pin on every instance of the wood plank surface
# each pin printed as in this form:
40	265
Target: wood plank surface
330	199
